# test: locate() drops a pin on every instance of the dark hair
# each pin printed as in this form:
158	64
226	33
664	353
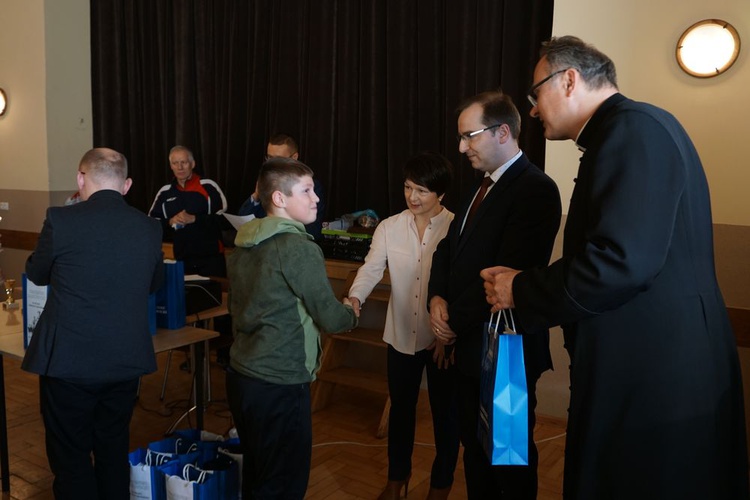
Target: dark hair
284	140
431	170
279	174
596	69
497	108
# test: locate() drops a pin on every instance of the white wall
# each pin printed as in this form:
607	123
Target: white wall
641	36
23	129
45	67
69	132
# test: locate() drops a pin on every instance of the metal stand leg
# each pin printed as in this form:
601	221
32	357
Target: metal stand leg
4	465
198	354
166	375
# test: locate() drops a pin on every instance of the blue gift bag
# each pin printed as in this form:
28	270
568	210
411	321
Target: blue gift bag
216	457
184	449
227	473
148	474
170	298
193	483
503	402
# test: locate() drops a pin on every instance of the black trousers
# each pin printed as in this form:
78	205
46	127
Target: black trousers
404	380
87	437
483	480
274	425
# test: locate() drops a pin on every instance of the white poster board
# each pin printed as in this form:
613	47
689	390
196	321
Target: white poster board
34	298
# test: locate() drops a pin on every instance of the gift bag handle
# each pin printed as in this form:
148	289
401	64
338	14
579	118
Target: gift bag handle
201	473
154	458
508	330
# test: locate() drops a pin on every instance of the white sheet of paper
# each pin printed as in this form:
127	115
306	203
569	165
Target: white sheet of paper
238	220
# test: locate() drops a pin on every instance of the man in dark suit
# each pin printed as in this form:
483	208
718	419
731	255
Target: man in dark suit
656	409
101	258
512	217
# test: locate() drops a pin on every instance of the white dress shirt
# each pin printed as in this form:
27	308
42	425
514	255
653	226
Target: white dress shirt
396	244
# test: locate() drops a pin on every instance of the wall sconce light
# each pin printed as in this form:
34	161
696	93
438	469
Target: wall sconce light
3	102
708	48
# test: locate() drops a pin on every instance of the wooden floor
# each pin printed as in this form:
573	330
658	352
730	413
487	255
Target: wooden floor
349	462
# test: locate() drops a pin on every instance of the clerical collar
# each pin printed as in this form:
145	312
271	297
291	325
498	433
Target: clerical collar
578	145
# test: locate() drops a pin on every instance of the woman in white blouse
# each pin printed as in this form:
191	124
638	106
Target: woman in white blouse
405	243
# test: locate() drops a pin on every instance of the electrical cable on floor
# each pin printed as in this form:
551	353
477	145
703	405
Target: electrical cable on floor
429	445
551	438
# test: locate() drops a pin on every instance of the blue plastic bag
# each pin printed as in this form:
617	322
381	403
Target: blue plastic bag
503	399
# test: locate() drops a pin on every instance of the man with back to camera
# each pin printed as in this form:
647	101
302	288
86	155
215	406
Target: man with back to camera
515	219
284	146
101	258
656	402
190	209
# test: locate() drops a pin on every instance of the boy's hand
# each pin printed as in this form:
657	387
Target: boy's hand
354	303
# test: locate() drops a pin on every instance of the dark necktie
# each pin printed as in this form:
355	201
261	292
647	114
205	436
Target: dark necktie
486	183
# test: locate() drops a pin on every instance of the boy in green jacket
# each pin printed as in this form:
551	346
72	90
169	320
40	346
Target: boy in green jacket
280	299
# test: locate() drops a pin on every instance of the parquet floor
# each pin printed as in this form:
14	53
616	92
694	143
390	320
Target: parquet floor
349	462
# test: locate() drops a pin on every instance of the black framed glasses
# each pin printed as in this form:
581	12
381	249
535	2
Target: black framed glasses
470	135
531	94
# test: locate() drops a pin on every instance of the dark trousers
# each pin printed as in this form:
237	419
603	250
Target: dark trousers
404	380
274	425
85	422
512	482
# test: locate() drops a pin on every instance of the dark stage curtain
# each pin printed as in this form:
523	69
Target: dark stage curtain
362	84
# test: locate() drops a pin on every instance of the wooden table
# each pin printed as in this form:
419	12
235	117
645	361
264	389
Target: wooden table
207	314
11	345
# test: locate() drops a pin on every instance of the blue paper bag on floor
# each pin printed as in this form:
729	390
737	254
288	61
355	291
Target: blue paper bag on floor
177	447
227	473
147	474
503	401
193	483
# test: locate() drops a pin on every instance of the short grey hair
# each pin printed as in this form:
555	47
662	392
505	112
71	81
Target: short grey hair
596	69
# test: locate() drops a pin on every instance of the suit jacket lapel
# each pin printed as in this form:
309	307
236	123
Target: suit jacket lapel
489	201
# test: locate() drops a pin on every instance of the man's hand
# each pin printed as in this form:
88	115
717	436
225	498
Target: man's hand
498	285
182	218
438	355
439	320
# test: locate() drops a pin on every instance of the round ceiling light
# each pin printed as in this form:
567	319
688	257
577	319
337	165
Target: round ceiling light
708	48
3	102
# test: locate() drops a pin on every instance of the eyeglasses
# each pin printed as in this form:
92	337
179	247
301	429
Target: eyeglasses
468	136
531	94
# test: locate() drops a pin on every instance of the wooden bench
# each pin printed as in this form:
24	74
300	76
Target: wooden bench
334	369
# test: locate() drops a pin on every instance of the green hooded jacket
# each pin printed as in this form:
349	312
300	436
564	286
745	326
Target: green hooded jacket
280	299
